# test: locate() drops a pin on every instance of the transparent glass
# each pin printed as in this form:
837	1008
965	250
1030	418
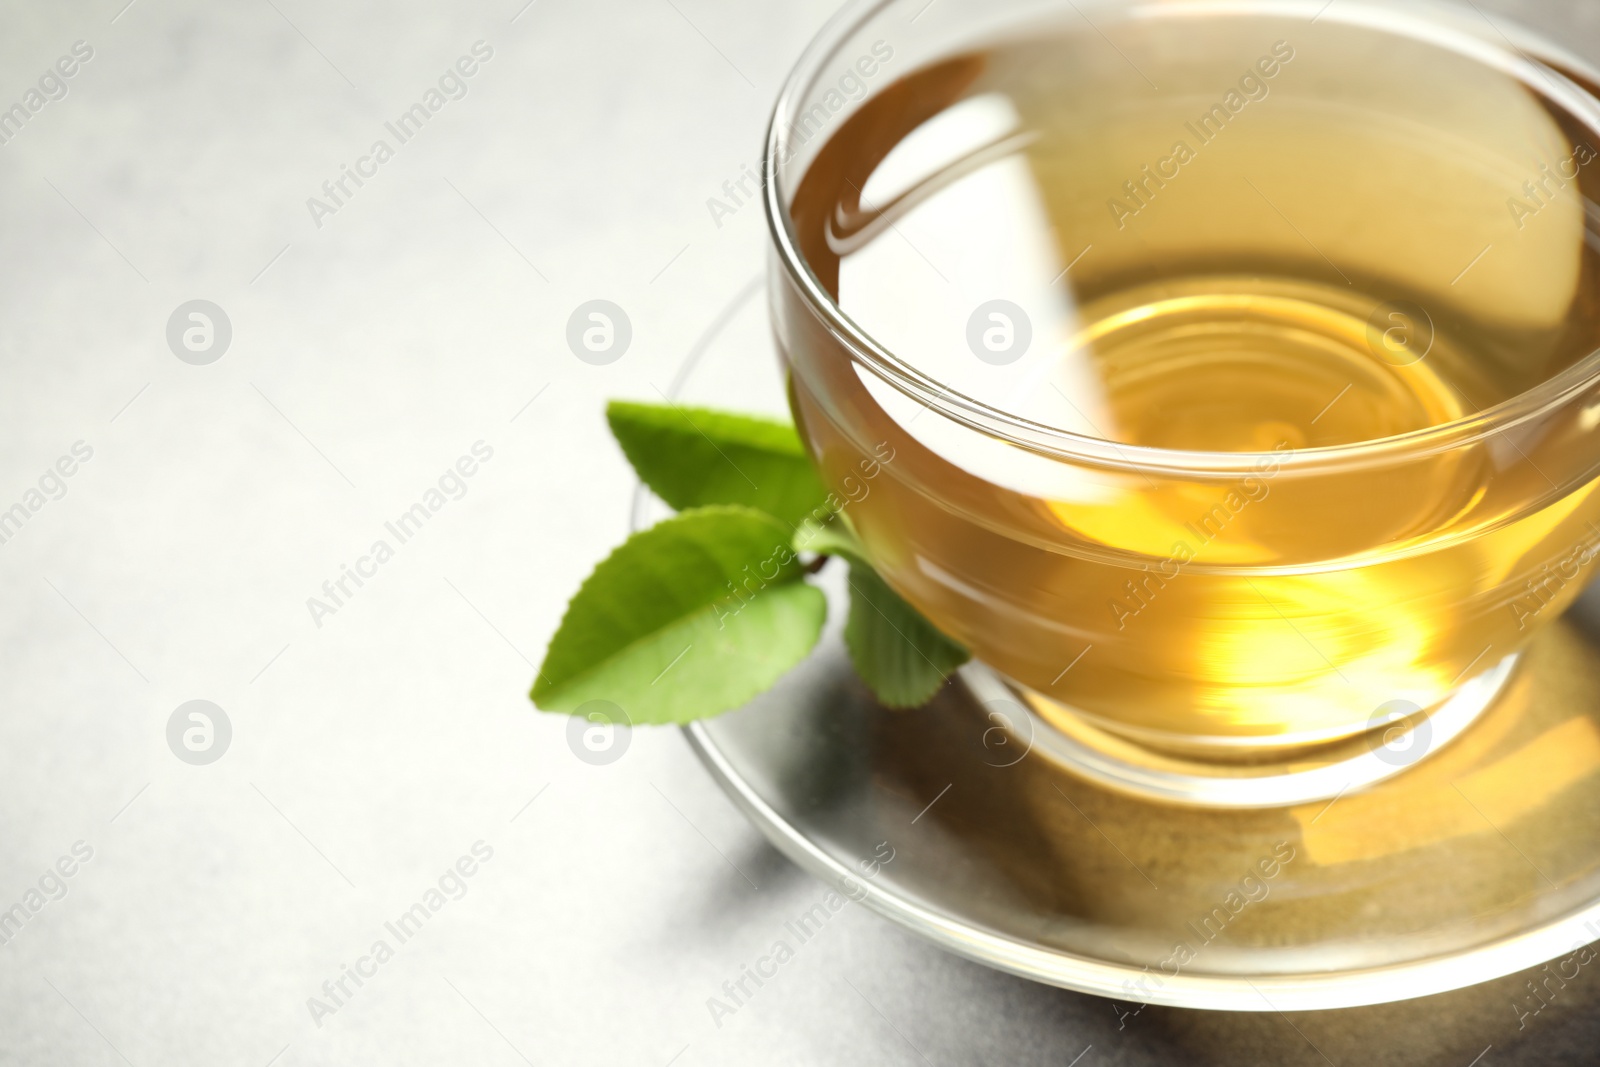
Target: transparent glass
1003	853
1223	375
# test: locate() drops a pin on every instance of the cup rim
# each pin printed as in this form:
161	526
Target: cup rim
1522	52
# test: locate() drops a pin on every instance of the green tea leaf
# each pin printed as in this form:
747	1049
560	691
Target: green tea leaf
833	538
897	652
693	457
687	619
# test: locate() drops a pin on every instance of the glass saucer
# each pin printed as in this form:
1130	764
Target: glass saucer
1478	861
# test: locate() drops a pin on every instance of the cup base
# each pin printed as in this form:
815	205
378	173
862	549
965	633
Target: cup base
1304	775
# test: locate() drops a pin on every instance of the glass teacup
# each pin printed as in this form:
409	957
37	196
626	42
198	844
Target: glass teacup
1232	366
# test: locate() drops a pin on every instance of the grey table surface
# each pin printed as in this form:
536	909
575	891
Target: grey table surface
376	744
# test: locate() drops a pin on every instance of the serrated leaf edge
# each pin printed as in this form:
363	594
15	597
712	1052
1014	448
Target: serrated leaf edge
535	692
